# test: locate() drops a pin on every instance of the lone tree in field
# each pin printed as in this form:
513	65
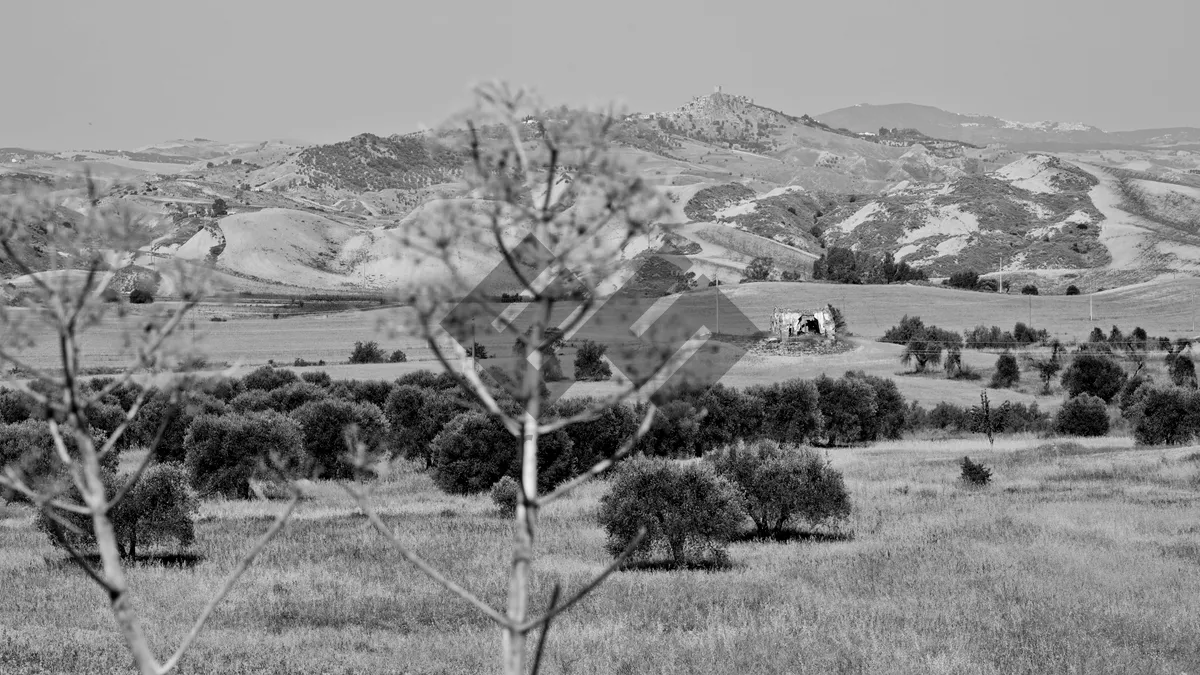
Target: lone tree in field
922	352
559	208
80	502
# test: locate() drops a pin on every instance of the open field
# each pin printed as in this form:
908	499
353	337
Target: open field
1077	559
1164	307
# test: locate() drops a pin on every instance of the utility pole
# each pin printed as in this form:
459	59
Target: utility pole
1000	285
1091	316
717	301
474	347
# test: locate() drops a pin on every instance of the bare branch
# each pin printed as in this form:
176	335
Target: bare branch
469	381
579	595
111	441
420	564
75	554
150	452
603	465
541	645
12	481
232	579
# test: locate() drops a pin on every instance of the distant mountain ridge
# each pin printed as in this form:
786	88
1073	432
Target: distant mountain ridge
987	129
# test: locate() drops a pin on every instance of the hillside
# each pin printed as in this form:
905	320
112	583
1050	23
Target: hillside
743	181
1035	212
986	129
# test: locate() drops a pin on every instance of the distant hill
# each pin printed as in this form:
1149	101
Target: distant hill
986	129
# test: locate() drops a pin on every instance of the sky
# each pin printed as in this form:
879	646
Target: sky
128	73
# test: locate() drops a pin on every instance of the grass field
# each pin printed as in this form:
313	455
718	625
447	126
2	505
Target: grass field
1076	559
1164	307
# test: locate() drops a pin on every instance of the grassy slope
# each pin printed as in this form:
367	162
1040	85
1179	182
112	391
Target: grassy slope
1077	561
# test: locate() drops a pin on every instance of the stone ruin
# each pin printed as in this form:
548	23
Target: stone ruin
786	323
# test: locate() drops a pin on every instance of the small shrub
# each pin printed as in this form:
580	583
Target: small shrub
1094	374
268	378
1029	289
416	416
224	453
505	495
1007	374
367	352
689	513
848	409
1167	416
325	424
590	365
783	484
1083	415
791	411
397	357
141	296
967	279
319	378
1183	371
1072	290
973	473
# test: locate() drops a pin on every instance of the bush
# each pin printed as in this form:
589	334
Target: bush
590	365
325	424
294	395
416	416
268	378
219	207
1083	415
1072	290
1007	374
967	279
975	474
160	507
791	411
890	412
848	408
1029	289
158	410
505	495
28	449
471	453
1183	371
15	406
141	296
674	432
1167	416
1094	374
591	441
319	378
367	352
688	512
224	453
782	484
398	357
428	380
375	392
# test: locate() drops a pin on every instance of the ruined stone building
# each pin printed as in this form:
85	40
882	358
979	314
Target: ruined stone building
787	323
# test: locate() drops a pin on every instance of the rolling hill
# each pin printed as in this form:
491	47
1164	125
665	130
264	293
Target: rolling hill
986	129
743	181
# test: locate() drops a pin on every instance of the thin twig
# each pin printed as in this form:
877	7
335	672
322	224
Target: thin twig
232	579
604	464
150	452
76	555
612	567
541	645
420	564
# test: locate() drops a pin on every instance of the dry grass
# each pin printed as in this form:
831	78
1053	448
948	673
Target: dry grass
1079	557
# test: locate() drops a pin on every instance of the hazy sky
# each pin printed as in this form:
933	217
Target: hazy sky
125	73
